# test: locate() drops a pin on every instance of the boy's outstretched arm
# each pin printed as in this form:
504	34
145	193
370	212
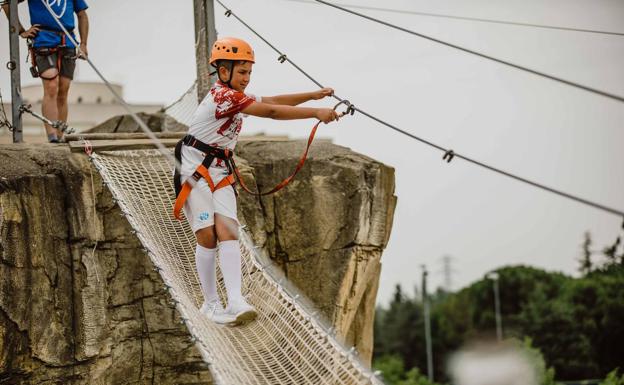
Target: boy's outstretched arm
282	112
296	99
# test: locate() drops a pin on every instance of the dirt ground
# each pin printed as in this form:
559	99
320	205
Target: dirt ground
7	137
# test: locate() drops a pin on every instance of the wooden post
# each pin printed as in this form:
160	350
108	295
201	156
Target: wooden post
205	36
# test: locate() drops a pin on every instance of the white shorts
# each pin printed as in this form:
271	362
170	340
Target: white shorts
202	204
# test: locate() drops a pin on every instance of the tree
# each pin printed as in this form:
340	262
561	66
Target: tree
613	378
576	323
554	327
399	330
545	375
586	262
611	251
393	372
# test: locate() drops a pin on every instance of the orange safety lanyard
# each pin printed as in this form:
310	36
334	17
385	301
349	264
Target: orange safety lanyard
202	171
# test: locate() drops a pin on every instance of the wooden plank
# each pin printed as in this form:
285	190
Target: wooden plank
124	136
127	144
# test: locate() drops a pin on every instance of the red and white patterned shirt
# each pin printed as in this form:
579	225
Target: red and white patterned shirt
217	122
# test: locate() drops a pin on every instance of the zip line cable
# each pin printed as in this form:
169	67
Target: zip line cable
449	154
473	52
282	58
121	101
478	19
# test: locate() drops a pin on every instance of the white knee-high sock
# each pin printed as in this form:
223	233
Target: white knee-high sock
206	262
230	261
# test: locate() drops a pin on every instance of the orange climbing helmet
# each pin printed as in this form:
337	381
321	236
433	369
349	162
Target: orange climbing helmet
231	48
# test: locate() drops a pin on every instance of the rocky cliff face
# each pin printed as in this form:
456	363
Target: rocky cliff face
80	303
327	229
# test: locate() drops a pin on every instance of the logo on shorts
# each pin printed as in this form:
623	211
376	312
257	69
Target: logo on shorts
204	216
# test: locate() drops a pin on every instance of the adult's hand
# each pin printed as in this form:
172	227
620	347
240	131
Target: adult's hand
84	52
30	32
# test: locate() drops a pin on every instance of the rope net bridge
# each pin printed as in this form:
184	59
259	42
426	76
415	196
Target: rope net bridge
287	344
181	111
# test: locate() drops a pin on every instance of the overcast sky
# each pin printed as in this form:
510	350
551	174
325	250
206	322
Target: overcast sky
539	129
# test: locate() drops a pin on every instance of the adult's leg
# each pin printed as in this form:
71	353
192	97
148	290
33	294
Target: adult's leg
68	66
61	98
49	107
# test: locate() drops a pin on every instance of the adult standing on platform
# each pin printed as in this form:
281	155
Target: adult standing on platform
53	55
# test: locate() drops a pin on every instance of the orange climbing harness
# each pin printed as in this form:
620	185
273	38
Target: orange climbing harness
211	153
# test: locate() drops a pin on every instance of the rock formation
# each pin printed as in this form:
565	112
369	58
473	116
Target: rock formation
81	304
327	229
79	301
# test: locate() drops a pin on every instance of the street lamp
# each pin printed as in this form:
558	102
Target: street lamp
499	321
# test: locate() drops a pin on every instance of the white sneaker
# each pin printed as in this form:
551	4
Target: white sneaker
215	312
241	311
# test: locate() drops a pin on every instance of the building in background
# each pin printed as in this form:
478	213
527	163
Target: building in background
89	103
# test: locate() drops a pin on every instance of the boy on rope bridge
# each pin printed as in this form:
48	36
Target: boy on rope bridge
53	56
204	183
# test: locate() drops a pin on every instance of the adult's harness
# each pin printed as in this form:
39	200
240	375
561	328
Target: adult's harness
211	153
46	52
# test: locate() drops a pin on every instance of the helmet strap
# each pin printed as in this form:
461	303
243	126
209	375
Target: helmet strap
230	65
